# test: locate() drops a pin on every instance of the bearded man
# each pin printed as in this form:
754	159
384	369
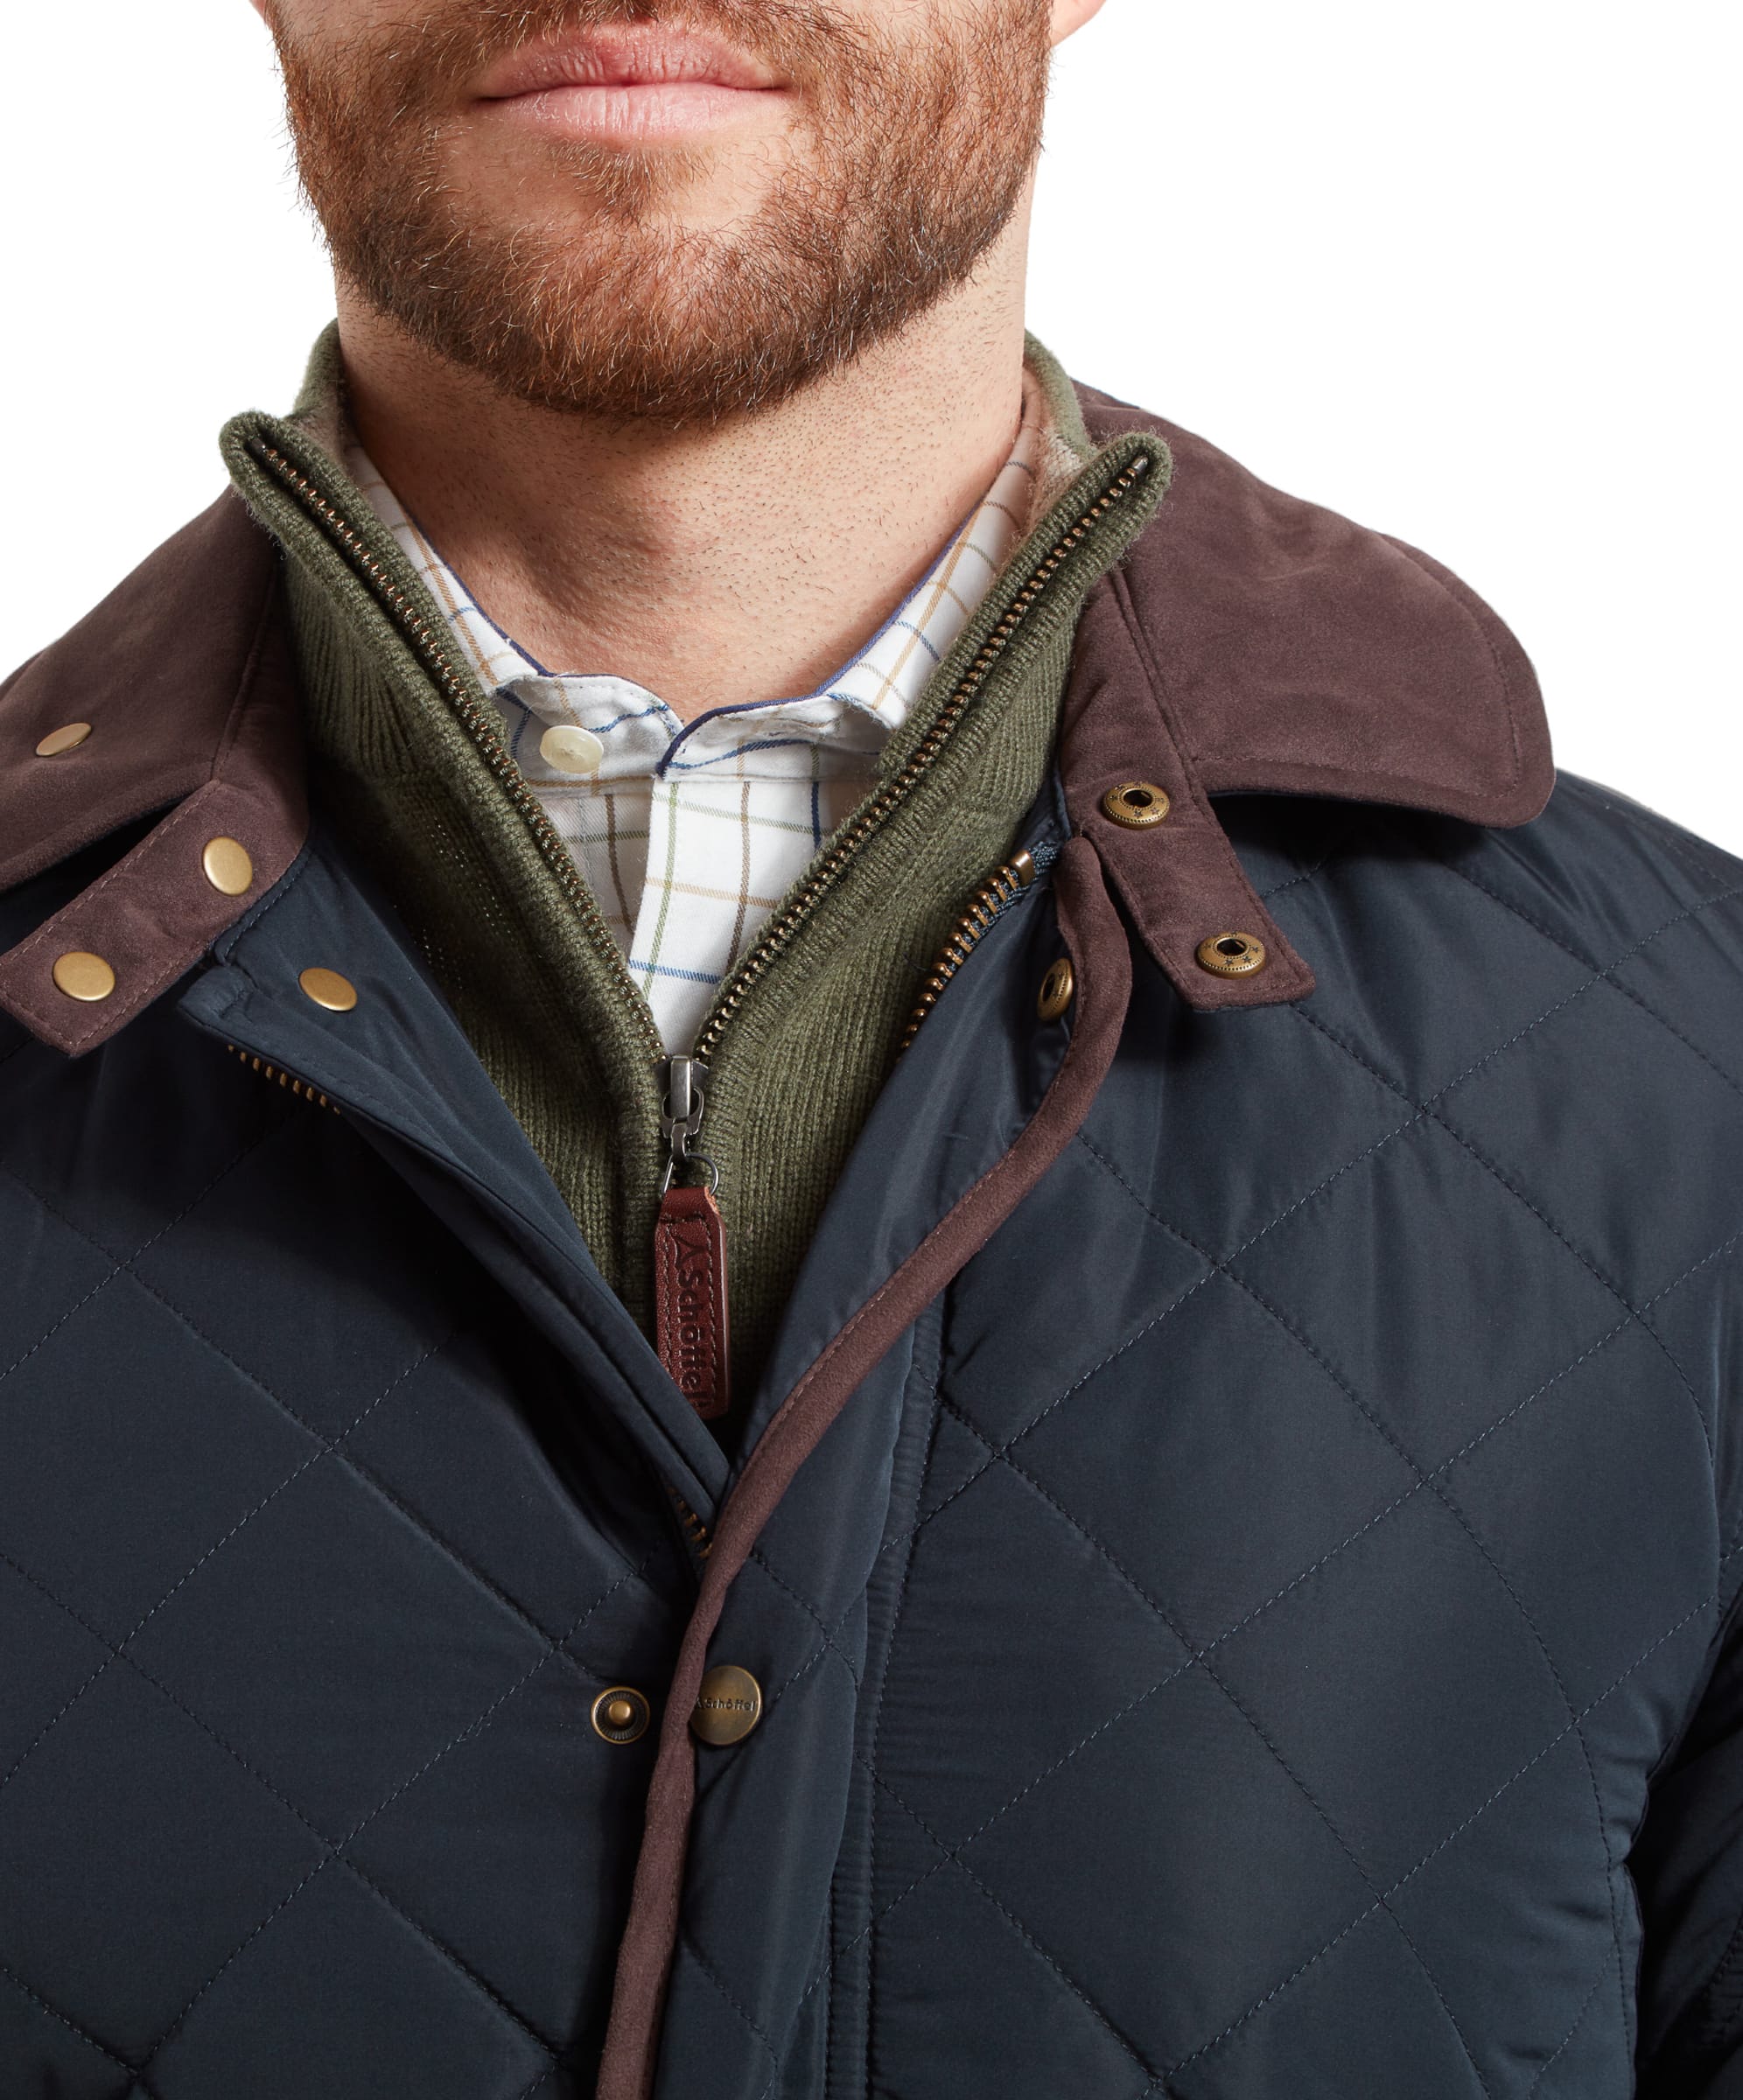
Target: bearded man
852	1247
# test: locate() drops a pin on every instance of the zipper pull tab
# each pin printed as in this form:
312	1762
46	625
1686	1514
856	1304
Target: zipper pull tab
690	1252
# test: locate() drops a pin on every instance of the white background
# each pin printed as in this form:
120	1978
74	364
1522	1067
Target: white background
1465	273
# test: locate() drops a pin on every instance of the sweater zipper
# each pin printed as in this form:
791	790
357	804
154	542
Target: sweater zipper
780	931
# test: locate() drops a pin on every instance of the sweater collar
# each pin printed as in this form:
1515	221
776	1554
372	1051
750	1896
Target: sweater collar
1248	641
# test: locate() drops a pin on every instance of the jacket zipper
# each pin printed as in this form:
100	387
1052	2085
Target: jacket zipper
995	897
300	1087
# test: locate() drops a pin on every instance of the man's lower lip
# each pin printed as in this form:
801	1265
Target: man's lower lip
629	113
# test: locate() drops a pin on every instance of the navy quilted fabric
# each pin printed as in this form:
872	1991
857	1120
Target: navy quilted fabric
1263	1635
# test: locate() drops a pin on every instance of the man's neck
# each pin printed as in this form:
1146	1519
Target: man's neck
714	566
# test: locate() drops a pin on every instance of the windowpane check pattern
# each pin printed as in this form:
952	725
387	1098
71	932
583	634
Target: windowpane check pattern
688	835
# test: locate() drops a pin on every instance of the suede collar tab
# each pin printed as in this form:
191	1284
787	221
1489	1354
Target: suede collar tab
1249	642
180	693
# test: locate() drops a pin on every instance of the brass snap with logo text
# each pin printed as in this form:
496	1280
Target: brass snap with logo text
728	1705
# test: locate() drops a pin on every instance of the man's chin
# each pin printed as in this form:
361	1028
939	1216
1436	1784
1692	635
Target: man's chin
575	195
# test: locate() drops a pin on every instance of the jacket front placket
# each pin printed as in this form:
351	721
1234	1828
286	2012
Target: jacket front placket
995	1085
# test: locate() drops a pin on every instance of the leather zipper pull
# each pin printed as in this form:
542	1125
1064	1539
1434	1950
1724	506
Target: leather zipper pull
689	1297
690	1254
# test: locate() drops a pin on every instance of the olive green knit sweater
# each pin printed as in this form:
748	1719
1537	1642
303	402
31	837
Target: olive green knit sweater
404	760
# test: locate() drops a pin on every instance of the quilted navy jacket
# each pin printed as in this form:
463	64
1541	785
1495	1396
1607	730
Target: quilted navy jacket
1238	1540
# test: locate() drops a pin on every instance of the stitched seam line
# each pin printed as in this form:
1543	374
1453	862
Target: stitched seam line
950	1859
1202	1658
1411	1873
353	1466
124	1267
709	1971
1520	1197
1606	975
128	1638
1248	1619
72	2026
333	1847
1586	2004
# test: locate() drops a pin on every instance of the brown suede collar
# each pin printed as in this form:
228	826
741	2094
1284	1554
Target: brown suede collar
183	676
1248	641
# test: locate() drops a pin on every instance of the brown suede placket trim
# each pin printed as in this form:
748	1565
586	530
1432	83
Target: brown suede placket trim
1095	940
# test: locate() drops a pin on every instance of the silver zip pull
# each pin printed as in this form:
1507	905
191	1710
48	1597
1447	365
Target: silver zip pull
681	1119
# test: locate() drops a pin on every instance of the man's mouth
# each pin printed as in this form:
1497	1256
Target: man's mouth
629	85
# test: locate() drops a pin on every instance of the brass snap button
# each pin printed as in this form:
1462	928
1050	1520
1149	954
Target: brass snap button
620	1714
83	977
68	737
1056	989
728	1705
327	988
1136	804
1232	955
227	866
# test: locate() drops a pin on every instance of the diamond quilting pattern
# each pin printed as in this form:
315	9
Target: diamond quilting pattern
1559	1111
1395	1467
483	1836
1061	2040
336	1704
322	1308
1594	1563
163	1805
180	1416
1426	926
1432	1745
1265	2051
1525	1983
126	1180
1051	1685
1164	1415
438	2034
1236	1159
1404	1281
1222	1819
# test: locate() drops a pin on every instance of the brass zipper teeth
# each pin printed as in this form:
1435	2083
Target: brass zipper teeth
300	1087
436	660
1000	888
693	1525
778	933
